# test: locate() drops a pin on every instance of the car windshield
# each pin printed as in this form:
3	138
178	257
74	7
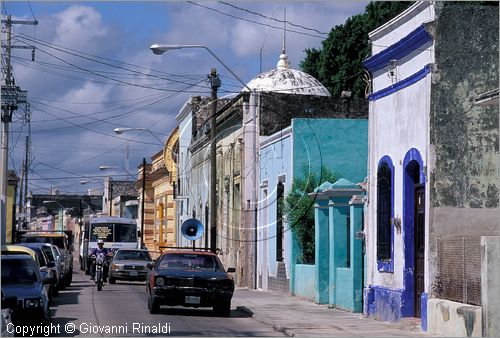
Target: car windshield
114	232
16	271
189	262
132	255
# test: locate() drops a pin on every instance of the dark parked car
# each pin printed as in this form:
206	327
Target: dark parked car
129	264
21	278
62	241
46	257
190	279
39	257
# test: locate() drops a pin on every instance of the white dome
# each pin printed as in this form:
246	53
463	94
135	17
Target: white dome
288	81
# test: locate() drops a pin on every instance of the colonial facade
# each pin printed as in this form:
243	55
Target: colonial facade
159	206
433	164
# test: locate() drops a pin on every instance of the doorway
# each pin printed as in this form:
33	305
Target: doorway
419	235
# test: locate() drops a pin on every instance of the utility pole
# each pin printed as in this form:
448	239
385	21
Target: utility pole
10	100
143	193
215	84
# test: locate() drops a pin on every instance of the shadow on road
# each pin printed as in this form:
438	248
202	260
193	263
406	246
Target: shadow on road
204	312
67	297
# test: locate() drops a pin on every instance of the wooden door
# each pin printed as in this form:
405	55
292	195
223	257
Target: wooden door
419	245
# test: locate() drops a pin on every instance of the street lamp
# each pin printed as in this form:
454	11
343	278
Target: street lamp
53	201
159	49
124	130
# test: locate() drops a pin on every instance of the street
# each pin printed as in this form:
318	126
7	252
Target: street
121	310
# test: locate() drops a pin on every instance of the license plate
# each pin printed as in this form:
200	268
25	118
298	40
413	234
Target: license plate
192	300
134	273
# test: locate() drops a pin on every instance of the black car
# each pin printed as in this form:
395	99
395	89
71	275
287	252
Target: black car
190	279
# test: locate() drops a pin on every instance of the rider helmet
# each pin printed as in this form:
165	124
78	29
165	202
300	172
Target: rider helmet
100	241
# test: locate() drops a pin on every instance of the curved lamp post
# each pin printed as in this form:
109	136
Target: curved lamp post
159	49
124	130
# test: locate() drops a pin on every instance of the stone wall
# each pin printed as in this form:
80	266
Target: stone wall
464	137
278	109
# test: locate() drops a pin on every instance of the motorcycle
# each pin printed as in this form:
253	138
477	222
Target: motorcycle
99	271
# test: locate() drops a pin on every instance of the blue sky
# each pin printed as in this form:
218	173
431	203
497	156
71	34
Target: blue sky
93	72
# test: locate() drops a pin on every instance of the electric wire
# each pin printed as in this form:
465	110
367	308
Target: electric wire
252	21
271	18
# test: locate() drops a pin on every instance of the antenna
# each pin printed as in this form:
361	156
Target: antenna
284	30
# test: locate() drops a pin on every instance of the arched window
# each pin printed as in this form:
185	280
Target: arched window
279	221
384	212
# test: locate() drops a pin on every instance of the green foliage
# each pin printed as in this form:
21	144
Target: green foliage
338	64
299	208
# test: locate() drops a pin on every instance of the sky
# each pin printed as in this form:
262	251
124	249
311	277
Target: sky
93	72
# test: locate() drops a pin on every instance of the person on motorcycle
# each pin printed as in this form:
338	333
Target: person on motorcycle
96	252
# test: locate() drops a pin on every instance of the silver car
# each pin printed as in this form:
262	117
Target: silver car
129	264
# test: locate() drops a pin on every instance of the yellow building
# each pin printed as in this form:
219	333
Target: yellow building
159	206
11	206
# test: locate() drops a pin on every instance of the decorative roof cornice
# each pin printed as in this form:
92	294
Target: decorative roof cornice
398	50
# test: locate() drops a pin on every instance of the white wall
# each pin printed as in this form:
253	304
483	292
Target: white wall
276	162
397	123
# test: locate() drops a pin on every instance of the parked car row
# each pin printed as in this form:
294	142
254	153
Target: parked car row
33	272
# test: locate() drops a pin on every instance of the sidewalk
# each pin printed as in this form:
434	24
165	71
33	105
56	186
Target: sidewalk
298	318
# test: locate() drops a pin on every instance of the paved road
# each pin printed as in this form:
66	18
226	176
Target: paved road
121	310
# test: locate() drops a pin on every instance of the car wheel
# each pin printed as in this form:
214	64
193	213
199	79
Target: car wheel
223	308
112	280
153	305
69	278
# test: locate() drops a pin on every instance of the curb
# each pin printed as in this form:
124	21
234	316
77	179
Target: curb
276	327
245	310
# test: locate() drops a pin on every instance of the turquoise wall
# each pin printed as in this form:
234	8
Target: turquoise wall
305	283
321	216
339	144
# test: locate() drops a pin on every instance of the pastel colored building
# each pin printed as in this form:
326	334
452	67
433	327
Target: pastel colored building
433	164
337	144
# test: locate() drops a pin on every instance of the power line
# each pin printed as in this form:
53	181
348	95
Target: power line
252	21
271	18
91	57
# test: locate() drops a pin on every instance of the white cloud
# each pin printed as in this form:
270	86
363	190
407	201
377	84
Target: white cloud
80	27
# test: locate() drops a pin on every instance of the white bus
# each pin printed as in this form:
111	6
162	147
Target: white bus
116	232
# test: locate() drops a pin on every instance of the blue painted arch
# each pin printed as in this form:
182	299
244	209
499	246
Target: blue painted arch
413	173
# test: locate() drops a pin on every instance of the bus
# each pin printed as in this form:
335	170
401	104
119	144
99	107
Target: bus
116	232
